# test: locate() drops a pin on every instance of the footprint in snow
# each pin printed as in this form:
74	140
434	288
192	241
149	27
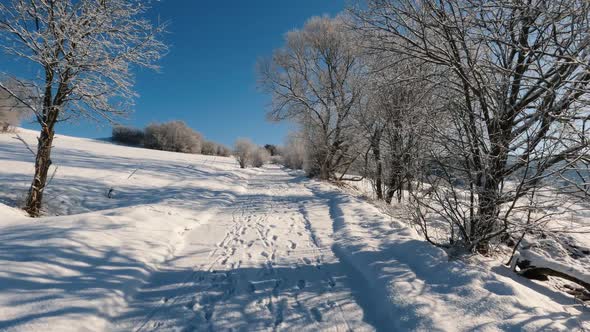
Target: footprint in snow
279	316
331	282
208	314
301	284
317	315
251	287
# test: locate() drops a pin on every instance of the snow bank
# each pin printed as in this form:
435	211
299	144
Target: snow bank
76	268
411	285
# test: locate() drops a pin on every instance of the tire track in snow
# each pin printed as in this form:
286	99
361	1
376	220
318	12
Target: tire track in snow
370	299
262	232
195	270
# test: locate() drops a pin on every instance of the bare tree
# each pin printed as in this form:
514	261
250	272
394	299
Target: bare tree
516	75
85	50
316	80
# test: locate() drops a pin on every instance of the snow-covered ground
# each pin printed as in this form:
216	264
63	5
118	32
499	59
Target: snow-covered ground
189	242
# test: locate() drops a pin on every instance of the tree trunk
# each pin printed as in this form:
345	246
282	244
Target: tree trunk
42	163
542	272
391	188
379	181
486	221
324	171
393	183
379	170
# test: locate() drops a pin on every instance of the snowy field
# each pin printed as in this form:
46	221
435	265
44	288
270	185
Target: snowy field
190	242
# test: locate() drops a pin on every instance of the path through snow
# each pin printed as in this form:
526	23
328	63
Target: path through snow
258	264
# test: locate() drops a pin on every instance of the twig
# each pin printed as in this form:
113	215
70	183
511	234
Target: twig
26	144
52	176
130	175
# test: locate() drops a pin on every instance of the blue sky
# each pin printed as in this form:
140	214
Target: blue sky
208	79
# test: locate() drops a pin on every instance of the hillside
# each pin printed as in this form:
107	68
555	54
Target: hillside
144	240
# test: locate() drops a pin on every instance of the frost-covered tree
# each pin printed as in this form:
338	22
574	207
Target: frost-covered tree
516	77
391	124
316	79
85	51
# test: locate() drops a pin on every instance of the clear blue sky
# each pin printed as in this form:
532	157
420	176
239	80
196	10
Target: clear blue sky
208	79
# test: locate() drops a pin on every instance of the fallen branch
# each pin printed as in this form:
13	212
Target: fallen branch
542	273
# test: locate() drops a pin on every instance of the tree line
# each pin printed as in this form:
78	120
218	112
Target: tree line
173	136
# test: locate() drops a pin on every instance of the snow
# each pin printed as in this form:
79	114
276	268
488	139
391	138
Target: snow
190	242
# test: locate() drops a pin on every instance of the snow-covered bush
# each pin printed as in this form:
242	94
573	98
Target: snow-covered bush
260	156
223	151
277	159
293	153
243	151
214	149
12	111
8	119
173	136
128	135
209	148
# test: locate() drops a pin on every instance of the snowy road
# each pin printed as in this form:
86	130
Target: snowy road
260	266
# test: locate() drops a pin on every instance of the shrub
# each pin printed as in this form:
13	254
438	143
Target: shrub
173	136
209	148
223	151
260	156
12	111
277	159
243	151
294	153
128	135
8	120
